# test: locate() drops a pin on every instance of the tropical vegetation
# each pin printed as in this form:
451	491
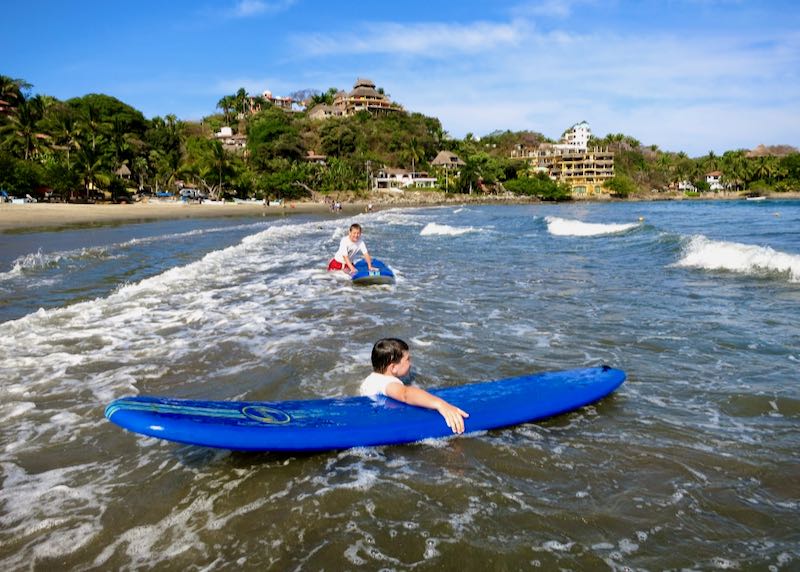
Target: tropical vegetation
96	147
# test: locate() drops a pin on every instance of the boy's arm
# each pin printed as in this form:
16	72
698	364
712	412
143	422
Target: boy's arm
453	416
367	257
348	264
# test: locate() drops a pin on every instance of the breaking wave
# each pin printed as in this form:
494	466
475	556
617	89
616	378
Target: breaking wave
567	227
702	252
435	229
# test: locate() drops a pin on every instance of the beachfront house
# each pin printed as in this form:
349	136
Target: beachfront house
448	164
714	180
390	178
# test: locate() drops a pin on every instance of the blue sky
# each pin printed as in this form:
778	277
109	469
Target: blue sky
686	75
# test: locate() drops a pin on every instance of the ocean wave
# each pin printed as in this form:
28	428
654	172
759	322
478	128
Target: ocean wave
704	253
435	229
567	227
38	261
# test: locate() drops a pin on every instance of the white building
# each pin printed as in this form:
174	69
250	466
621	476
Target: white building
576	138
389	178
714	180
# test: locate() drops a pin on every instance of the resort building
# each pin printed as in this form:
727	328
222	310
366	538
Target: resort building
571	161
363	97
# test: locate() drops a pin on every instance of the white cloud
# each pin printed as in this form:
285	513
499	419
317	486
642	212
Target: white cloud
425	39
248	8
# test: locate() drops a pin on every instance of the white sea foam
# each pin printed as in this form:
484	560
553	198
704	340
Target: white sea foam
436	229
38	261
704	253
567	227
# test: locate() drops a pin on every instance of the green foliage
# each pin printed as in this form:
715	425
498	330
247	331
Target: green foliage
82	142
19	177
272	133
109	109
621	186
540	186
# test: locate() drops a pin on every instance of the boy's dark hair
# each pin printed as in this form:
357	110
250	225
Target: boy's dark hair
356	225
386	352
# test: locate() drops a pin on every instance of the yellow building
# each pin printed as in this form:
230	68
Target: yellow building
584	170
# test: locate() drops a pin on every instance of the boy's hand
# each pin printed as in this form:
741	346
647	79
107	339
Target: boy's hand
453	416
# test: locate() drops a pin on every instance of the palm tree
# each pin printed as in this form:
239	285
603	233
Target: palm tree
241	101
226	104
93	123
67	133
140	168
120	145
711	161
415	152
23	129
11	92
765	167
90	163
220	160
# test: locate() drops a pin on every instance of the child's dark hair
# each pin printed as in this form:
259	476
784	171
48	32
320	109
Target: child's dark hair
356	225
386	352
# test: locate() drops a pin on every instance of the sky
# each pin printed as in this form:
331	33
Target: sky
686	75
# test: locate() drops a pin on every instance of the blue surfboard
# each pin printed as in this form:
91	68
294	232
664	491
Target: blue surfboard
341	423
363	276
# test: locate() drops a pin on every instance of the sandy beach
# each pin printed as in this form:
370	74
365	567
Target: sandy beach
44	216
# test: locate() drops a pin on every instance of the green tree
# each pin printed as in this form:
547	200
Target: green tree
621	186
540	186
227	104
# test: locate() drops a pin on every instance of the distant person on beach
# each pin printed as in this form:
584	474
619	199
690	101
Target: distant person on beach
391	360
349	246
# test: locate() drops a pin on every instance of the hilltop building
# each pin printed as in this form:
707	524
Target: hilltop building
286	103
364	97
571	161
576	138
231	141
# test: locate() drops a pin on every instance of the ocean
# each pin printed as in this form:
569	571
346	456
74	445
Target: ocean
694	463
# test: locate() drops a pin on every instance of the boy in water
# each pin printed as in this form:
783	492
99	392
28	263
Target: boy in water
348	247
391	359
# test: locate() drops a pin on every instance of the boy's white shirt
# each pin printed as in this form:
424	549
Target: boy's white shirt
349	248
376	383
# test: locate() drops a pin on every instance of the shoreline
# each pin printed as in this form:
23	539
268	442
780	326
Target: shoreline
42	217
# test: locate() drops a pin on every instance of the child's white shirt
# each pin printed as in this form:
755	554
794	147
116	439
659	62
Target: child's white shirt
376	383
